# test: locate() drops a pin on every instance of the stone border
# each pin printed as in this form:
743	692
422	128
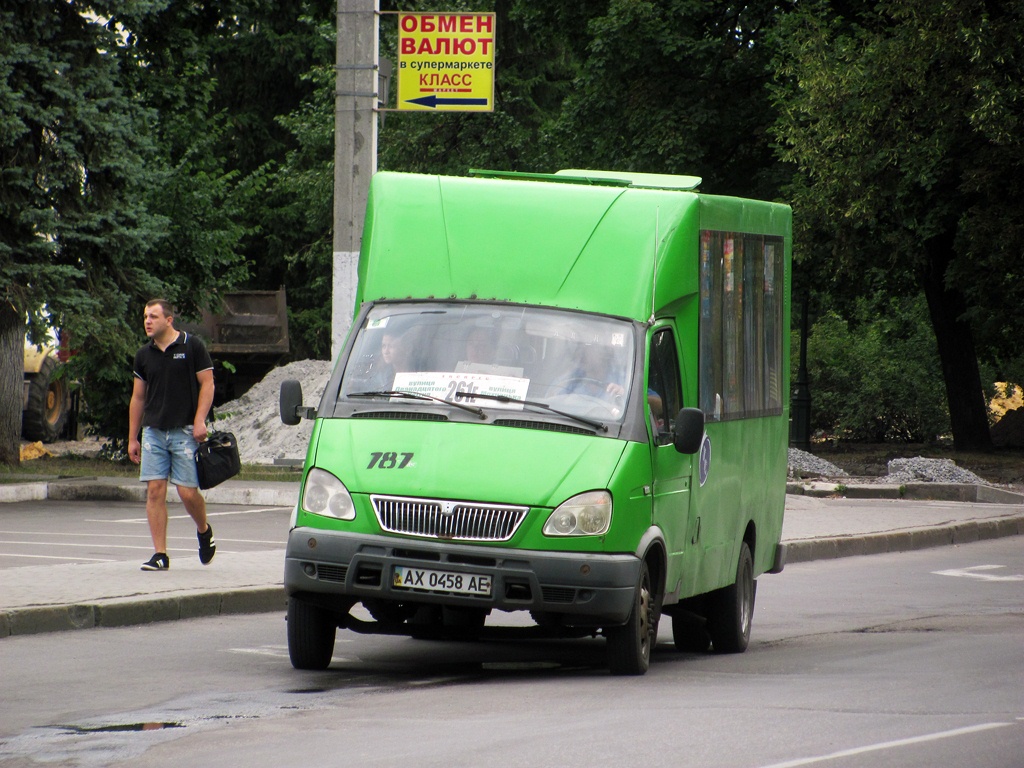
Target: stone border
124	612
834	547
966	492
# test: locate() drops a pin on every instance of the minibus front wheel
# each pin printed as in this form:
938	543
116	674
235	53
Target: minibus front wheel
311	634
629	646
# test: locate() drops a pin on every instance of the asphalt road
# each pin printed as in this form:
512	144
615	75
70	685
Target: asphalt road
906	659
46	532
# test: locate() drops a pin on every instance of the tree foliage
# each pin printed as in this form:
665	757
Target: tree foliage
224	76
75	152
873	370
899	117
677	87
111	193
304	187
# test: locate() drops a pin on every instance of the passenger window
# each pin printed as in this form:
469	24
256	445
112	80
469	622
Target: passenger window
664	393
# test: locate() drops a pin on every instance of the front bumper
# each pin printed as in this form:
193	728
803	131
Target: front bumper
583	587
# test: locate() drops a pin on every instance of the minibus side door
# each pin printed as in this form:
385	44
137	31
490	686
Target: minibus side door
671	470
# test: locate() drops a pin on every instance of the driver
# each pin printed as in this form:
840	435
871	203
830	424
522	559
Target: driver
394	356
595	375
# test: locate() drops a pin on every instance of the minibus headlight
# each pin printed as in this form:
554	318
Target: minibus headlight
326	495
588	514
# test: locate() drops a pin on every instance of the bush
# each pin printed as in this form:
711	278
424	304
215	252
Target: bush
876	377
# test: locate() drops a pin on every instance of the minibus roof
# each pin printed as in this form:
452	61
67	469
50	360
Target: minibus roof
577	239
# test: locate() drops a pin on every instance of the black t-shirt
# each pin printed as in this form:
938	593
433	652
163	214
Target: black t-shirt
171	387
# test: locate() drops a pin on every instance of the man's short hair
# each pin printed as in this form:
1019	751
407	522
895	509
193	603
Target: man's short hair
165	305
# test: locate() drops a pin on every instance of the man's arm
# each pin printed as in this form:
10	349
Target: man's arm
205	379
135	409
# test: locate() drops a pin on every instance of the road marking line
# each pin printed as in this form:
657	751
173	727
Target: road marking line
57	557
888	745
973	573
71	544
274	651
109	536
73	535
208	514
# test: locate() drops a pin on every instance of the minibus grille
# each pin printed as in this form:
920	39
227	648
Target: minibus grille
547	426
400	416
450	520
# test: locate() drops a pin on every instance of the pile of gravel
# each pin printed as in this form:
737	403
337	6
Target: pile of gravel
921	470
804	464
255	418
899	471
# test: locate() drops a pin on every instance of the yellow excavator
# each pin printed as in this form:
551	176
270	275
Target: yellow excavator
46	398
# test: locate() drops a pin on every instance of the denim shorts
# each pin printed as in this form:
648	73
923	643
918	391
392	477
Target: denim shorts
169	453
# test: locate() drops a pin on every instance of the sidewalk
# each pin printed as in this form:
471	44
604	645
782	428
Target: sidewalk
870	519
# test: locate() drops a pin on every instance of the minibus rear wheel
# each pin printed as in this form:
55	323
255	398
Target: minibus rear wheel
629	646
731	609
311	634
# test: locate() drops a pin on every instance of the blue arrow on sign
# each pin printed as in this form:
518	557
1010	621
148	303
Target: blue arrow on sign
433	100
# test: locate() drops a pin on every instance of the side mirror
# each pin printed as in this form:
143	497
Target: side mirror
688	430
290	402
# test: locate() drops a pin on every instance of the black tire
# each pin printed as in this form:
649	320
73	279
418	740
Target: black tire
690	633
49	402
629	646
311	634
731	610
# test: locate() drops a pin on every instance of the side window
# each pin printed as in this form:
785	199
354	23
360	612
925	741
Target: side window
742	288
664	393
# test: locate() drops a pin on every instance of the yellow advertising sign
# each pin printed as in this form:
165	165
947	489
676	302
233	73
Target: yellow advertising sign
446	62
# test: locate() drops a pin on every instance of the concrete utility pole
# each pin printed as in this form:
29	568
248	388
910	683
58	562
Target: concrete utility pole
355	150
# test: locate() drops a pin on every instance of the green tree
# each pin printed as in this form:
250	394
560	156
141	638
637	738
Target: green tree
873	373
74	147
97	212
676	87
903	120
222	75
304	184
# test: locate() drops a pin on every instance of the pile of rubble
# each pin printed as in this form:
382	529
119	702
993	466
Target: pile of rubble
255	418
898	471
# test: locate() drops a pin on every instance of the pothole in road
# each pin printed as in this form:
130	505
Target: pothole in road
125	736
964	623
119	728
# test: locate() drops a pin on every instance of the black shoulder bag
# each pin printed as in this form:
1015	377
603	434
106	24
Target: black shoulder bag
217	457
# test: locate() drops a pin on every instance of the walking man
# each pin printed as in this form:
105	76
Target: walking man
171	397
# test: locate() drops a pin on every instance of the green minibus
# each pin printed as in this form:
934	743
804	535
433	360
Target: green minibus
562	395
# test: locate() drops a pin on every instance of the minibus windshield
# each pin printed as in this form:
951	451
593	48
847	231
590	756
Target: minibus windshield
513	357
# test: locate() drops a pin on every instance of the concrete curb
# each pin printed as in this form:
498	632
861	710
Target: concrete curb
804	550
124	612
24	491
966	492
268	494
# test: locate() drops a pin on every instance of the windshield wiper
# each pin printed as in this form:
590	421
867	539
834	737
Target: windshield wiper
536	404
419	396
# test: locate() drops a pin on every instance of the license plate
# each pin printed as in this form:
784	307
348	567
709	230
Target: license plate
442	581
